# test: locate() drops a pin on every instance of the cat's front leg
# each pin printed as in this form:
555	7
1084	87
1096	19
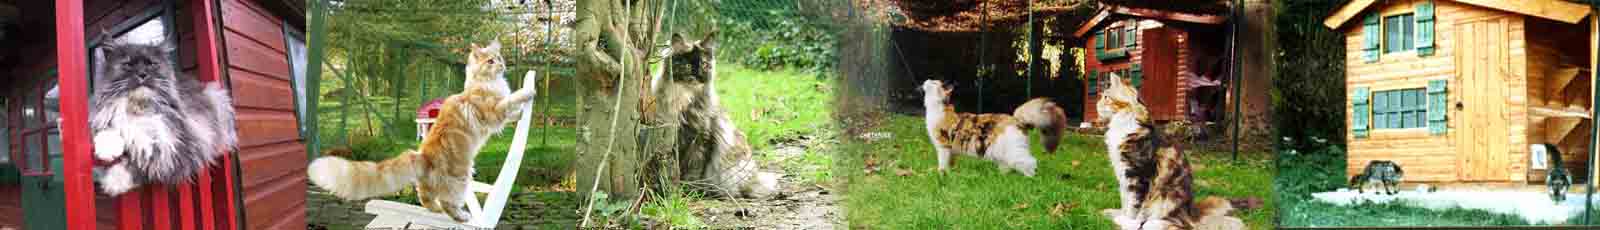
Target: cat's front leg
108	145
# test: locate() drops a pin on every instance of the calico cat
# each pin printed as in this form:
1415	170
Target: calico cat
1154	179
441	167
997	137
1386	174
151	124
685	92
1558	179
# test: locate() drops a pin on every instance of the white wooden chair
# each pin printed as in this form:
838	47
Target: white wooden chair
396	215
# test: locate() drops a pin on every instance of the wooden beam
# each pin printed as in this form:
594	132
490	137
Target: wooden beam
1594	80
1346	12
1558	112
1091	23
1169	15
1562	11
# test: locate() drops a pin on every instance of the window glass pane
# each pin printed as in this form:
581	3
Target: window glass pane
297	62
1406	22
148	33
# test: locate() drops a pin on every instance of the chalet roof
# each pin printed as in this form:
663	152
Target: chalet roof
1216	14
1557	10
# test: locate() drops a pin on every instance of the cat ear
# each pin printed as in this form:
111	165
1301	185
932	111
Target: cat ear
475	46
709	41
493	45
679	46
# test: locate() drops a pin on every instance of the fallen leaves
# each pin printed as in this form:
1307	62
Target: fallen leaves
902	172
1061	208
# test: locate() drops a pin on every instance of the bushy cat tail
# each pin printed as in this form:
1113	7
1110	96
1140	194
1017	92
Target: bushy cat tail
1047	116
1212	214
362	179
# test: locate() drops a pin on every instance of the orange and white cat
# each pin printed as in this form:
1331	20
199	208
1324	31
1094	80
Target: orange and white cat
1154	179
996	137
441	167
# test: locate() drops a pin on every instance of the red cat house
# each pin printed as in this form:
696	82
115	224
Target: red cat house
1169	54
256	48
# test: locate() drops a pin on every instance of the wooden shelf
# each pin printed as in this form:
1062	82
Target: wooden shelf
1553	112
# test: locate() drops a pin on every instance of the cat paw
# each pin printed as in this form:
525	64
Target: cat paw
108	146
117	181
459	214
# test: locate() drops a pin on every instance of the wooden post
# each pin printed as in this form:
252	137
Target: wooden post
71	58
1594	142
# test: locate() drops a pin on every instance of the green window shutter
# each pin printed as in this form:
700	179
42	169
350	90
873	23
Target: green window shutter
1437	101
1372	34
1425	20
1138	75
1359	110
1091	79
1099	43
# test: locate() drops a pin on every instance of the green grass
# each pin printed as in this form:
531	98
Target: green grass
1321	169
775	105
974	194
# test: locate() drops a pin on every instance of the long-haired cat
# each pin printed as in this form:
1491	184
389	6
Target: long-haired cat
707	137
997	137
1154	180
151	123
1386	174
441	167
1558	179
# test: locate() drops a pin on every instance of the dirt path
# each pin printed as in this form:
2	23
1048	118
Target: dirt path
799	205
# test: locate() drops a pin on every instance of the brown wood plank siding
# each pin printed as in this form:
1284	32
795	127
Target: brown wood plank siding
271	154
1429	158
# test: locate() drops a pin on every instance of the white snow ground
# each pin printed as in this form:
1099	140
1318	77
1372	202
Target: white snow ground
1535	207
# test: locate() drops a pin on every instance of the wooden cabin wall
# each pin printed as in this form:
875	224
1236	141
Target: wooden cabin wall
1557	46
1426	157
269	142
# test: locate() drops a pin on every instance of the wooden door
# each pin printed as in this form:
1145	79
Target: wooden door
1160	61
1483	143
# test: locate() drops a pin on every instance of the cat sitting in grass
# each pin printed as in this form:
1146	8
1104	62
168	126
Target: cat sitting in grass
1386	174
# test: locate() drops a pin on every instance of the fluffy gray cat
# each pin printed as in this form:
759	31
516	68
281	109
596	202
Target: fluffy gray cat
150	122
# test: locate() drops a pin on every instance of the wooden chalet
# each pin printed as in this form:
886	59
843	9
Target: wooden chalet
1164	53
1457	91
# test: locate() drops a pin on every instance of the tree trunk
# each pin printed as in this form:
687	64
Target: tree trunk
1255	58
623	53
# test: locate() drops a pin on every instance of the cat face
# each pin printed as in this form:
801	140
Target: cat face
135	70
1118	98
485	61
693	61
934	92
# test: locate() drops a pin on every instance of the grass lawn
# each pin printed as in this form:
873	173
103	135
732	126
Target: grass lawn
1321	169
1070	189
